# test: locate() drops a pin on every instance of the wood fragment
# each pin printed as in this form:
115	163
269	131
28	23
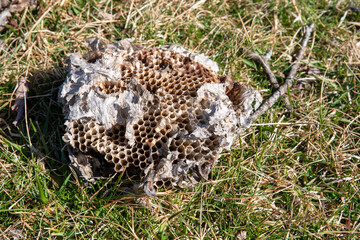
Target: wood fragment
282	90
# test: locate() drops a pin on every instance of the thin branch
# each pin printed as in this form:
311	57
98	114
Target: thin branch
263	60
288	82
266	66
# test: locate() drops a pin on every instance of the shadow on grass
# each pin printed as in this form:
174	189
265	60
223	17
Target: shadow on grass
38	140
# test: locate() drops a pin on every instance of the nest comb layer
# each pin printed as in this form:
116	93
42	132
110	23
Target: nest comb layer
163	113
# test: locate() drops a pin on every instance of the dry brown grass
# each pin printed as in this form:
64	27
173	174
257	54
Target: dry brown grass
287	177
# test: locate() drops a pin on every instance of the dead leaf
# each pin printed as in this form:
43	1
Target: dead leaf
4	15
19	5
7	7
21	94
106	16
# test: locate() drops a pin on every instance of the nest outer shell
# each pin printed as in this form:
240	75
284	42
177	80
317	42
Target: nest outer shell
81	101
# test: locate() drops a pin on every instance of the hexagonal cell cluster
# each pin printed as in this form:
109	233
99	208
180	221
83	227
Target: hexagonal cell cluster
162	114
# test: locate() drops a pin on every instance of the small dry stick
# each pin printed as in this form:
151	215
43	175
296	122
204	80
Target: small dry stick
263	60
288	82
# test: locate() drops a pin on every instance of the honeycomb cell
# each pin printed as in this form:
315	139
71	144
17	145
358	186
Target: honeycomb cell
142	165
122	155
118	167
142	158
124	162
198	156
109	157
116	160
136	162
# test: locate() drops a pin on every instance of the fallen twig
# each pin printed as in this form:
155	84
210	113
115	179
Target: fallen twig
263	60
288	82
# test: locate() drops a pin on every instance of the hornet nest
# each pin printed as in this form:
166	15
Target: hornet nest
163	114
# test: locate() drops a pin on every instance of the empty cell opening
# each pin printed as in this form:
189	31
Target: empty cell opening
155	156
81	134
143	165
172	116
181	148
157	135
93	132
118	167
142	158
170	134
159	184
167	184
107	150
124	163
158	144
82	140
108	157
136	162
83	148
101	129
198	156
190	156
164	139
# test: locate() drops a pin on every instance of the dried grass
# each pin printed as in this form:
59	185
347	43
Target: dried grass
287	177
